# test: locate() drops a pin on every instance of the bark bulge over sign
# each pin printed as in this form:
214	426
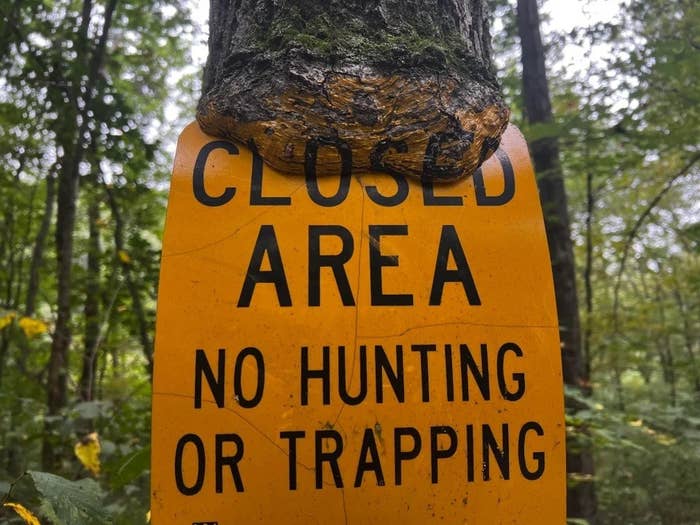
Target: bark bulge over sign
401	86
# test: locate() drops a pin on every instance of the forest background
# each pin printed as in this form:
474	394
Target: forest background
93	94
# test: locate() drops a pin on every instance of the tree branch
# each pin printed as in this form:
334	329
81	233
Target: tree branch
632	234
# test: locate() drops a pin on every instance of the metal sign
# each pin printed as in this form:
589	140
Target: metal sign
355	349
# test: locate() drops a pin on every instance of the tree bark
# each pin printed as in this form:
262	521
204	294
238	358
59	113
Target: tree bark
688	336
57	384
588	272
581	499
665	348
91	308
143	326
9	263
39	246
397	86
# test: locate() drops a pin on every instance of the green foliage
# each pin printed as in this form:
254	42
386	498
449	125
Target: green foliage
626	119
629	148
130	468
67	502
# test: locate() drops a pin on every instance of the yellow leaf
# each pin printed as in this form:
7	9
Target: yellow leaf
665	439
148	517
87	450
32	327
124	257
636	423
28	517
7	319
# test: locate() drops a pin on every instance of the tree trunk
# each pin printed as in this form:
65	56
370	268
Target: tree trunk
39	246
9	262
143	326
74	141
57	385
588	271
688	337
665	348
92	305
581	500
392	86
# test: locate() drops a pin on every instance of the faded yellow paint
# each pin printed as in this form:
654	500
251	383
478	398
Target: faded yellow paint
207	252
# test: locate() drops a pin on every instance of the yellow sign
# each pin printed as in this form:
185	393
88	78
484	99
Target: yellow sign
359	349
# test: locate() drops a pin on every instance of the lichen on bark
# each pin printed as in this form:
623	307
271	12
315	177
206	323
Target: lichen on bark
396	85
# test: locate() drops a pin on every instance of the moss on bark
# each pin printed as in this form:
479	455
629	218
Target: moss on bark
271	60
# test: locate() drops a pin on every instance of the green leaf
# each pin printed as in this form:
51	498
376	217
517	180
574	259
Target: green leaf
70	502
133	466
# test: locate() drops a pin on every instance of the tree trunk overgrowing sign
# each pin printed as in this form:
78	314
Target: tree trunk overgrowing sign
396	86
357	348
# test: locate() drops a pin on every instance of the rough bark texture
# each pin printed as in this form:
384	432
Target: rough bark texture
91	306
581	499
395	85
57	383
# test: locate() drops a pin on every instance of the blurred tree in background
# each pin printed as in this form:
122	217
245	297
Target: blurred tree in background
626	120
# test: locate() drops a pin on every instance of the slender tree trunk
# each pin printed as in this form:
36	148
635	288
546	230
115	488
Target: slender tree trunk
57	386
581	500
8	241
144	327
588	272
355	84
4	351
24	241
665	348
92	305
39	246
6	250
688	338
